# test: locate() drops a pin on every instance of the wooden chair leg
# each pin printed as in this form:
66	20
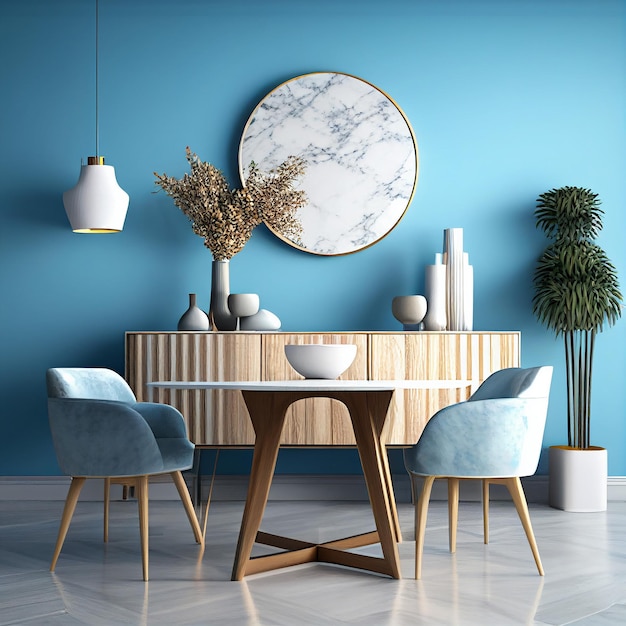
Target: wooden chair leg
107	497
516	490
486	510
421	514
179	481
142	501
453	511
414	492
68	511
205	516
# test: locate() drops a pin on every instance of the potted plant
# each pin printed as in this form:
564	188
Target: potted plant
576	293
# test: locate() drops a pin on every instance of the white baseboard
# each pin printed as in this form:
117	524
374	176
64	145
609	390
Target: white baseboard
284	487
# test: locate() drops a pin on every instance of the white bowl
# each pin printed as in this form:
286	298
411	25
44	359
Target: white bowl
320	360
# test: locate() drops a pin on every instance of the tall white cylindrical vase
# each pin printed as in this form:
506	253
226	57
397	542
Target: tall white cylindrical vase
468	294
578	479
435	293
453	258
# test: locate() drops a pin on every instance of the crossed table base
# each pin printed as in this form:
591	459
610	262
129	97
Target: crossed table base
368	411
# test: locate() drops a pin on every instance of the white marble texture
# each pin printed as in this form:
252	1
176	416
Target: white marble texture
360	151
584	556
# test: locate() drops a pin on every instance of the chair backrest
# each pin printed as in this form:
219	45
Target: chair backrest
515	382
96	429
497	433
95	383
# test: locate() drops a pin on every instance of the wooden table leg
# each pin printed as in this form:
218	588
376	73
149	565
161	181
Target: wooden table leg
367	412
379	417
267	413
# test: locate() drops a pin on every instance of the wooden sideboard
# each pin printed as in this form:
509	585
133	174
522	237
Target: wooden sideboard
219	418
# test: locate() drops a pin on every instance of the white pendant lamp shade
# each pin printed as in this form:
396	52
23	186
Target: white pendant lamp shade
97	204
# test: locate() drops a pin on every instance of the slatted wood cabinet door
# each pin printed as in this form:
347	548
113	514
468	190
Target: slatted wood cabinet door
459	356
212	417
220	417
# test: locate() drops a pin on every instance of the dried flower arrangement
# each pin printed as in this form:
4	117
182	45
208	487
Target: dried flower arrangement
225	217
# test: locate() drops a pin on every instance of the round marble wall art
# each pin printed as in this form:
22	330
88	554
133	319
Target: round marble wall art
360	153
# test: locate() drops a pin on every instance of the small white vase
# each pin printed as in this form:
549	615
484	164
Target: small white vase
578	479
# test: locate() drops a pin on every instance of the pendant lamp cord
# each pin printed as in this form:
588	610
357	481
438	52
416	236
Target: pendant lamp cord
97	83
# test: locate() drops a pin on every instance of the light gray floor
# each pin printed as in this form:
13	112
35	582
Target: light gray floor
584	556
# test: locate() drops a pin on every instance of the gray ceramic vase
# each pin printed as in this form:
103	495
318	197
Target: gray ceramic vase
409	310
193	318
219	313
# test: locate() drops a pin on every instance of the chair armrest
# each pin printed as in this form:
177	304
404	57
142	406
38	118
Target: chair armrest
102	438
164	420
482	438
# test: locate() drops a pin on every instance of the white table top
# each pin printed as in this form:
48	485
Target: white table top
312	385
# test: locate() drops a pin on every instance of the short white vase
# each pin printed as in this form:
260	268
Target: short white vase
578	479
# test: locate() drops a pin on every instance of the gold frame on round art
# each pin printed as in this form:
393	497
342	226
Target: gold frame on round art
267	157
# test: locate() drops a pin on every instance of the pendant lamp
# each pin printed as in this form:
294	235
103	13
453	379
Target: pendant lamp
97	204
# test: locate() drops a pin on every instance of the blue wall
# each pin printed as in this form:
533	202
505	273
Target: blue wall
507	99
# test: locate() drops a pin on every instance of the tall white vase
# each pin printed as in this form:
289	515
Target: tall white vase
468	294
453	259
459	281
435	293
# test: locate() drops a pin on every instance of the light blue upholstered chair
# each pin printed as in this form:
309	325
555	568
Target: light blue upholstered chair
99	430
495	436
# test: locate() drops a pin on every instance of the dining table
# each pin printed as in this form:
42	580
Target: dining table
367	402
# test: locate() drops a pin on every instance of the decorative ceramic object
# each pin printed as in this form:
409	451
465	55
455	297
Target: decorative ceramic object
435	292
193	318
219	313
409	310
263	320
316	360
468	294
459	281
355	139
243	305
578	478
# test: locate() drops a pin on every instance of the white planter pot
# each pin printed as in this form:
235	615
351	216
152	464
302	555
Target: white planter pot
578	479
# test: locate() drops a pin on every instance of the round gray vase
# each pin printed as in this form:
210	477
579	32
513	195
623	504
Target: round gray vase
194	318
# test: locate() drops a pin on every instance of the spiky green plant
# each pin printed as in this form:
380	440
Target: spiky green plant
576	292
